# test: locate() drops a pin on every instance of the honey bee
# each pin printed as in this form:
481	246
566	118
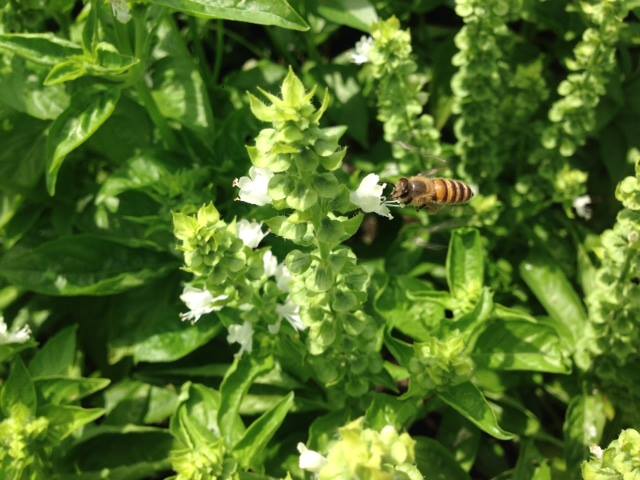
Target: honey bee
421	191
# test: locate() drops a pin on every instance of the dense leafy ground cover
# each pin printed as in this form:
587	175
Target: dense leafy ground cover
200	276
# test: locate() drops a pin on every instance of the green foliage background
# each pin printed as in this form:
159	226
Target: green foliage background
502	336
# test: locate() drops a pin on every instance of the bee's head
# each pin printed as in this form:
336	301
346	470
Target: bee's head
401	190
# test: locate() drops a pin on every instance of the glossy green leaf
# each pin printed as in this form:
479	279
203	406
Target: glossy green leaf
145	325
465	262
583	427
66	71
460	437
234	386
57	356
265	12
552	288
359	14
178	88
255	438
74	127
23	90
42	48
134	402
66	419
436	462
22	157
518	345
60	389
390	410
18	389
126	452
82	265
468	401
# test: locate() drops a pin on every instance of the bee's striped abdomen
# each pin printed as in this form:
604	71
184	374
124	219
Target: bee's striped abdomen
451	191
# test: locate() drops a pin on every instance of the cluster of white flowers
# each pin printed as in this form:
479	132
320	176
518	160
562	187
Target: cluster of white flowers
254	189
19	336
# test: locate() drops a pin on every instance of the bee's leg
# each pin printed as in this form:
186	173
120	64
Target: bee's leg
432	207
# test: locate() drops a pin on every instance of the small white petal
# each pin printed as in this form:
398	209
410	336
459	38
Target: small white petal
582	205
596	451
362	50
368	196
243	335
283	277
19	336
274	327
200	302
310	459
291	313
269	263
121	10
254	188
250	233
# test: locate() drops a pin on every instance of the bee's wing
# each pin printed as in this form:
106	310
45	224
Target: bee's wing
432	172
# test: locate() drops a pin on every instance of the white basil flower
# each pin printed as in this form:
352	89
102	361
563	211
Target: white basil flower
362	50
310	459
250	233
291	313
582	205
121	10
368	197
254	188
19	336
243	335
269	263
283	277
200	302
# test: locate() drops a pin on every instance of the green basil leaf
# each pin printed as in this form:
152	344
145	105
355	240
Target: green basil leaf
552	288
82	265
468	401
436	462
389	410
57	356
66	419
255	438
519	345
126	452
583	426
264	12
22	157
178	88
22	90
358	14
59	389
74	127
42	48
134	402
18	389
465	262
233	388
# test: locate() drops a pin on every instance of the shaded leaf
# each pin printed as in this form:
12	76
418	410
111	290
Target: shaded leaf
265	12
82	265
467	400
74	127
